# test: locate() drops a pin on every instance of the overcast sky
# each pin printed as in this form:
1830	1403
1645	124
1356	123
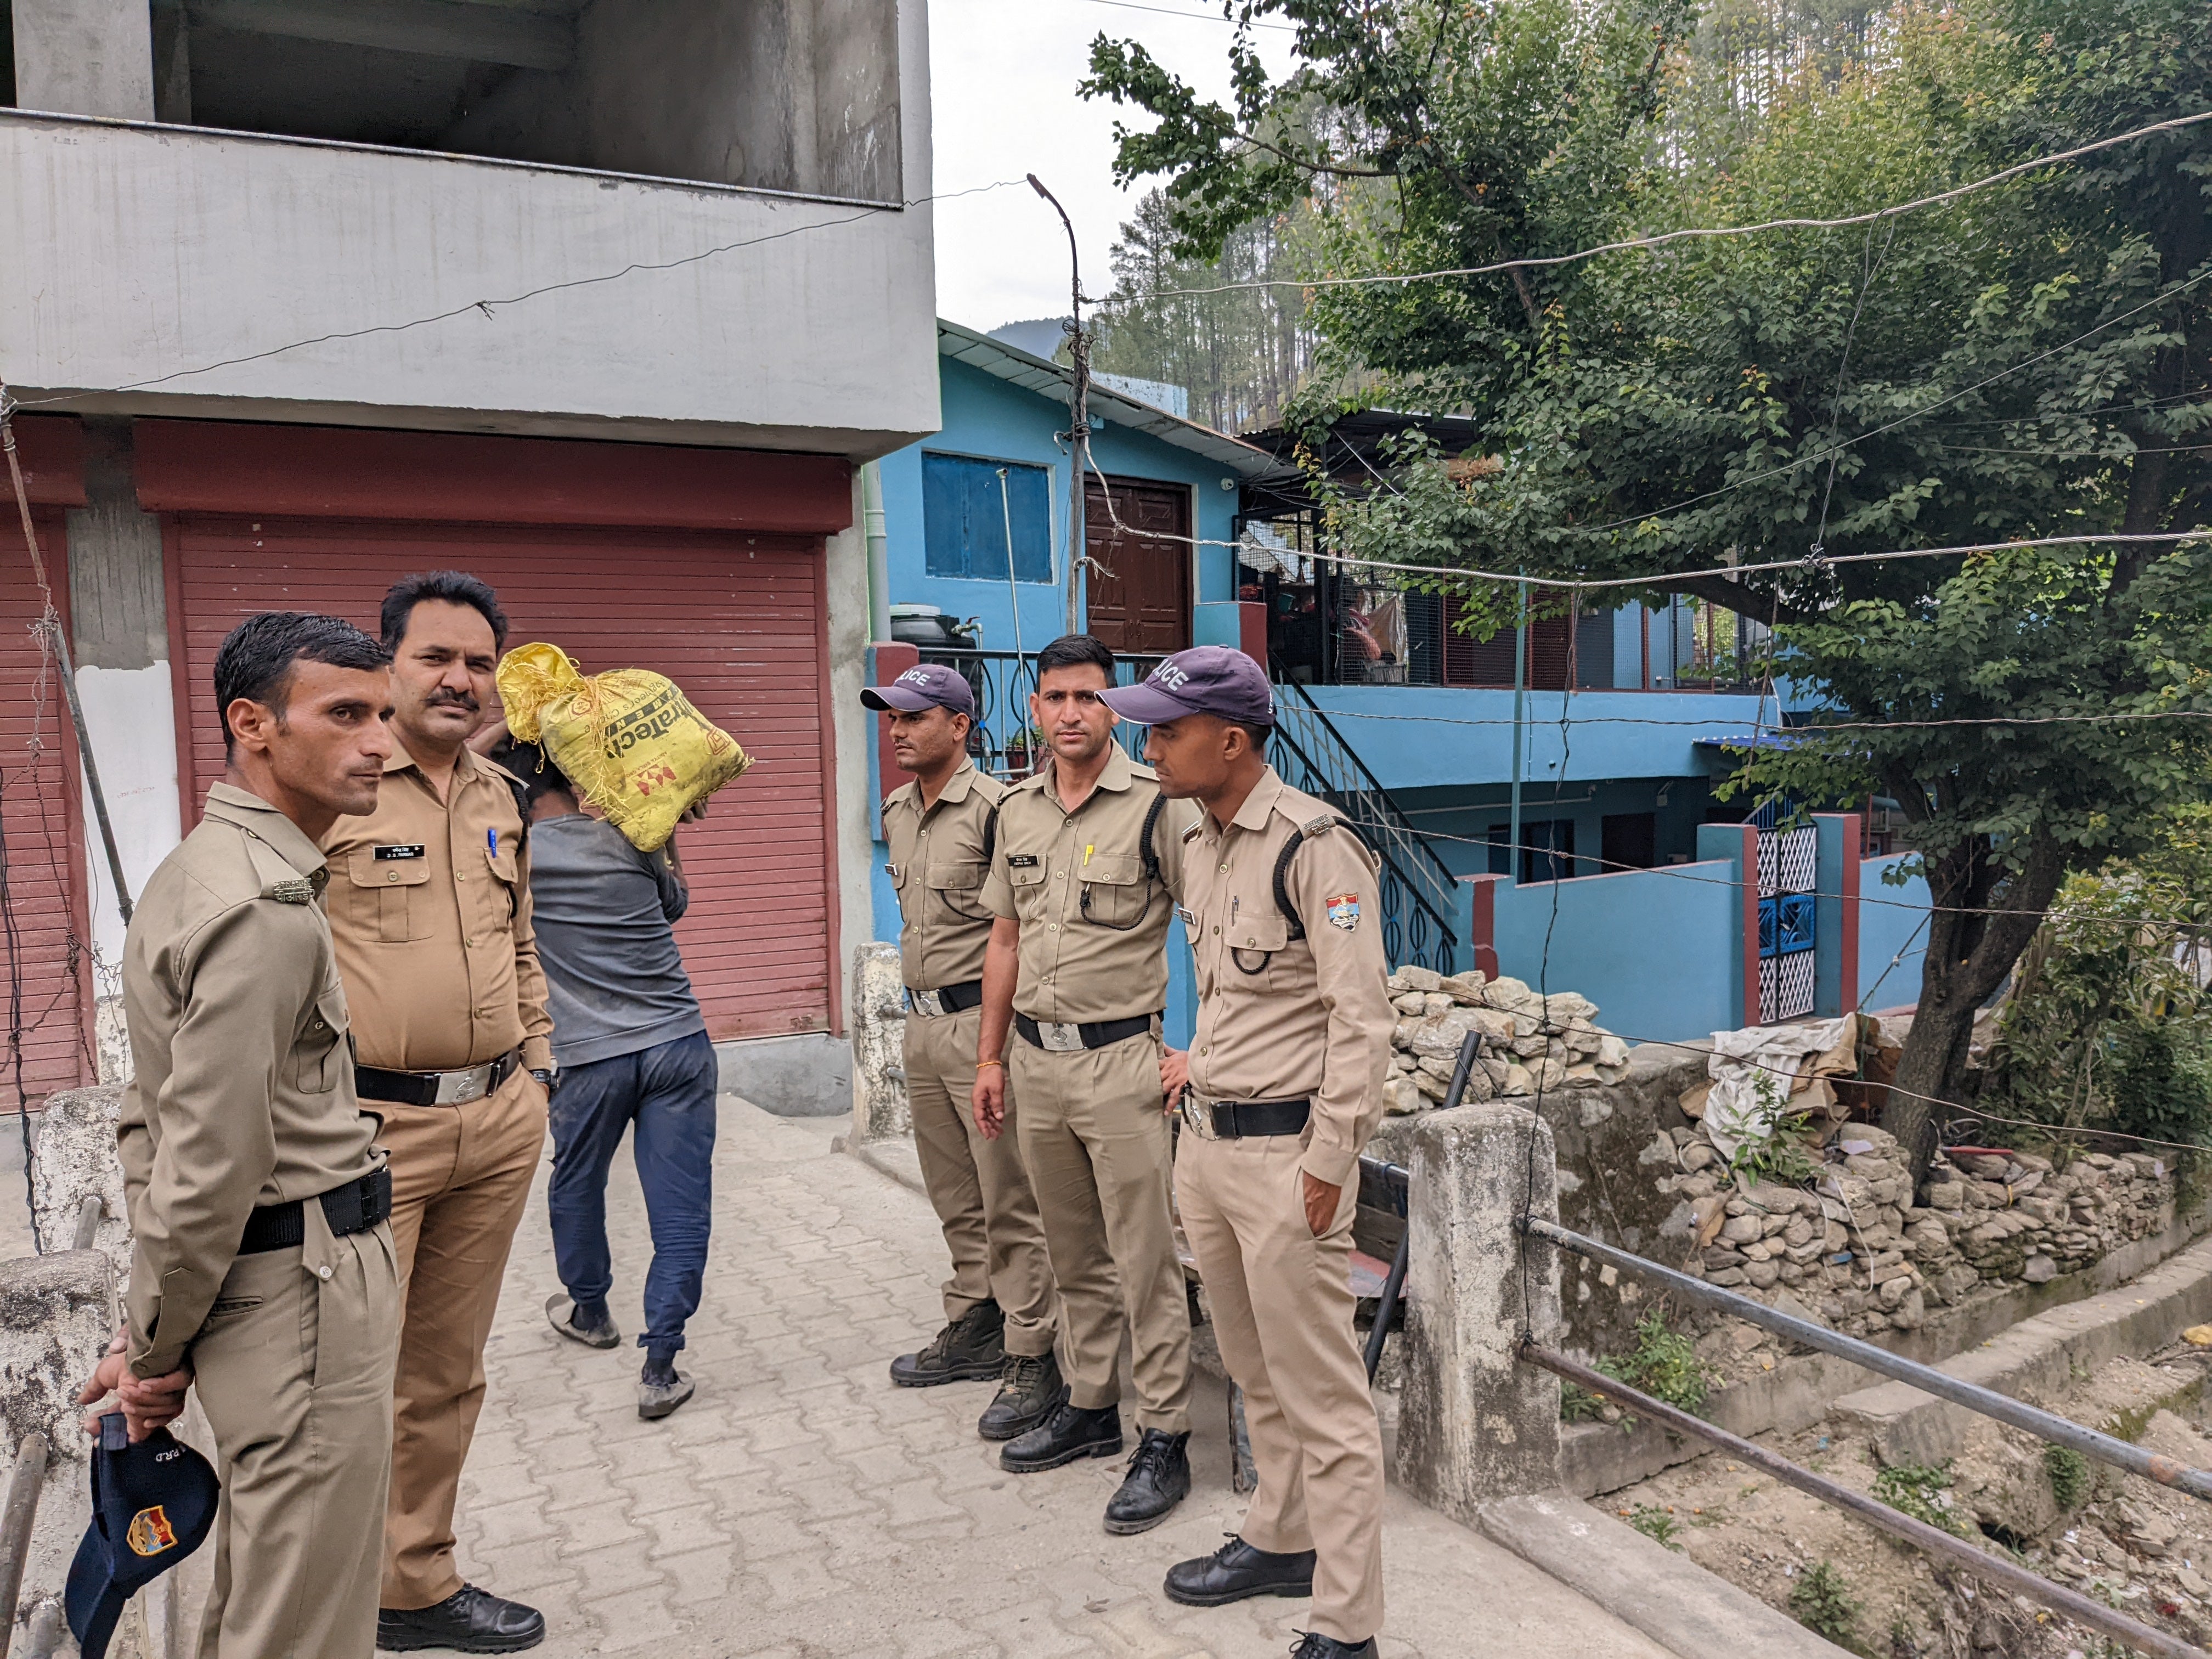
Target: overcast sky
1002	86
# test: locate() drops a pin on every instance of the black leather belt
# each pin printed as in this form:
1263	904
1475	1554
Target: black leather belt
436	1088
1066	1038
353	1208
1234	1120
947	998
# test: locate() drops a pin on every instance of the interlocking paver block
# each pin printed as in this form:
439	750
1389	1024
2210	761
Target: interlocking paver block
801	1507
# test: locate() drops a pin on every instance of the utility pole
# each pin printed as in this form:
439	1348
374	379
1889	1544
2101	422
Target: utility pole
1078	429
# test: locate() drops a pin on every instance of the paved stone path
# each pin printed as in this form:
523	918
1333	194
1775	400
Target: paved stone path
801	1508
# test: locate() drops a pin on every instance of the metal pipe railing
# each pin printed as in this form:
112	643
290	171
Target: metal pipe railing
1992	1569
16	1519
2166	1471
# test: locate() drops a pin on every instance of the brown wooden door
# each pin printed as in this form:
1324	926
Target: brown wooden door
1144	605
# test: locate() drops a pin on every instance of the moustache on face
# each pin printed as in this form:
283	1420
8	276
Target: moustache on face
454	700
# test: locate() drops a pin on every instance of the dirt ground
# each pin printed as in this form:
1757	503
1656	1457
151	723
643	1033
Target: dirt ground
2118	1538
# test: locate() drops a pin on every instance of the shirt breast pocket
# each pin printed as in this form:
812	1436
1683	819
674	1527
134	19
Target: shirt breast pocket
1029	885
319	1051
1254	947
958	883
1115	892
390	901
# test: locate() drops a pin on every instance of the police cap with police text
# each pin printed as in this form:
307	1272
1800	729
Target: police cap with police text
1206	679
927	685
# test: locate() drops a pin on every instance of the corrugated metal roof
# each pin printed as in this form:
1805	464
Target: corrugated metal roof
1050	379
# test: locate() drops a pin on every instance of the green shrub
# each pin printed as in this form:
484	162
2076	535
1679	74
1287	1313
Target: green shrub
1664	1364
1819	1602
1656	1524
1919	1491
2070	1475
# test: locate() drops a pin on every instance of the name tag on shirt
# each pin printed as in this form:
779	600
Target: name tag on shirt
1021	860
1189	917
414	852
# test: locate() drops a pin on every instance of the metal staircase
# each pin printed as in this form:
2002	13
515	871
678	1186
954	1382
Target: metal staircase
1421	899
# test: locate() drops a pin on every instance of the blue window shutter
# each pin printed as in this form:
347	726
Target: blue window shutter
964	519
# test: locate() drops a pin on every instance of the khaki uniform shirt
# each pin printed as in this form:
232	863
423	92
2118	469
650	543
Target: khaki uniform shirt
1094	925
243	1094
429	903
1281	1018
938	864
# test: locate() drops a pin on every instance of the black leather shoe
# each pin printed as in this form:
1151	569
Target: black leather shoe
1069	1433
1237	1570
469	1620
1029	1389
1158	1480
1317	1646
971	1349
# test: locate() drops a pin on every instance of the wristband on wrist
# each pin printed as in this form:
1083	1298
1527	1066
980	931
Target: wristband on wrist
981	1064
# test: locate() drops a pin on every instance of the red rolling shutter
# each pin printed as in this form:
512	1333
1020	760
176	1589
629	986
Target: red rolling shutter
738	620
46	992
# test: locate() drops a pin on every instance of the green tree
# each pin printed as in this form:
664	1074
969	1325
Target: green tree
2032	359
1241	353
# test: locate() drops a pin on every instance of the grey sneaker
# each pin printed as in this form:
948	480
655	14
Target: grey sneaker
560	1313
661	1388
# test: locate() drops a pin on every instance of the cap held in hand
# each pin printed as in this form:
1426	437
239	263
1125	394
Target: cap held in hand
152	1505
1206	679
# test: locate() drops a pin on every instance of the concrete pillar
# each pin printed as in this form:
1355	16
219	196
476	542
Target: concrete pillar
1836	914
119	631
55	1317
1474	1423
1738	843
880	1111
85	58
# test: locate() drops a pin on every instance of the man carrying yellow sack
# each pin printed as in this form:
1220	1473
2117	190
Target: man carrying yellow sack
628	738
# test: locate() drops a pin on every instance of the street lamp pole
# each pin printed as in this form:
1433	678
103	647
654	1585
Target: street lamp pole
1078	431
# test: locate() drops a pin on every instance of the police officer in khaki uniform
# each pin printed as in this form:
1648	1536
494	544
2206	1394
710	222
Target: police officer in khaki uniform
1000	1301
1082	880
261	1259
430	907
1285	1086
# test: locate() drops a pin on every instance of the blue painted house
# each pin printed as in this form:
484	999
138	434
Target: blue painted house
1544	804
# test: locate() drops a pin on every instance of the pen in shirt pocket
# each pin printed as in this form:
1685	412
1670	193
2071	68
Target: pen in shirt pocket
491	841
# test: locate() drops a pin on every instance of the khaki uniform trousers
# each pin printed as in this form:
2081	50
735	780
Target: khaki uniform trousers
295	1374
461	1175
1282	1304
1098	1150
979	1187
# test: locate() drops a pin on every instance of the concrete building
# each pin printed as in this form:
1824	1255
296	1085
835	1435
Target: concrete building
606	300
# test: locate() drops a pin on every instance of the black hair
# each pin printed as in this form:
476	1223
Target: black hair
530	762
1257	732
453	587
1072	651
255	659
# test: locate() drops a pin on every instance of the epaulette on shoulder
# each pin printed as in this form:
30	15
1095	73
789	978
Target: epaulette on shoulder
279	880
992	789
1313	827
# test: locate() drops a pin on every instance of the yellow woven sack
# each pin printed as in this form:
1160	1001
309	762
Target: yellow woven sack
628	738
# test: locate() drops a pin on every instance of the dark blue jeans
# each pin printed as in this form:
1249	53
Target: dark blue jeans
668	1092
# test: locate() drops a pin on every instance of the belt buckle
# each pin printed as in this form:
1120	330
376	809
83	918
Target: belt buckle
1197	1117
927	1004
1060	1036
460	1088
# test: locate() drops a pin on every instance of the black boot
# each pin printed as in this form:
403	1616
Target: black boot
469	1620
1317	1646
1237	1570
1158	1480
1069	1433
1029	1389
971	1349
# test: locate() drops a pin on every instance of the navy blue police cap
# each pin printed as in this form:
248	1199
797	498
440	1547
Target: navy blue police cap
1206	679
926	685
152	1505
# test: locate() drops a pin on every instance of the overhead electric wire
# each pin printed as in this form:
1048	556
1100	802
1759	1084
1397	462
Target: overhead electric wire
1664	238
1810	729
485	303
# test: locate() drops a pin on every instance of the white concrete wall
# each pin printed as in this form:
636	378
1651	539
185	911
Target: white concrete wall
85	57
138	255
131	716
